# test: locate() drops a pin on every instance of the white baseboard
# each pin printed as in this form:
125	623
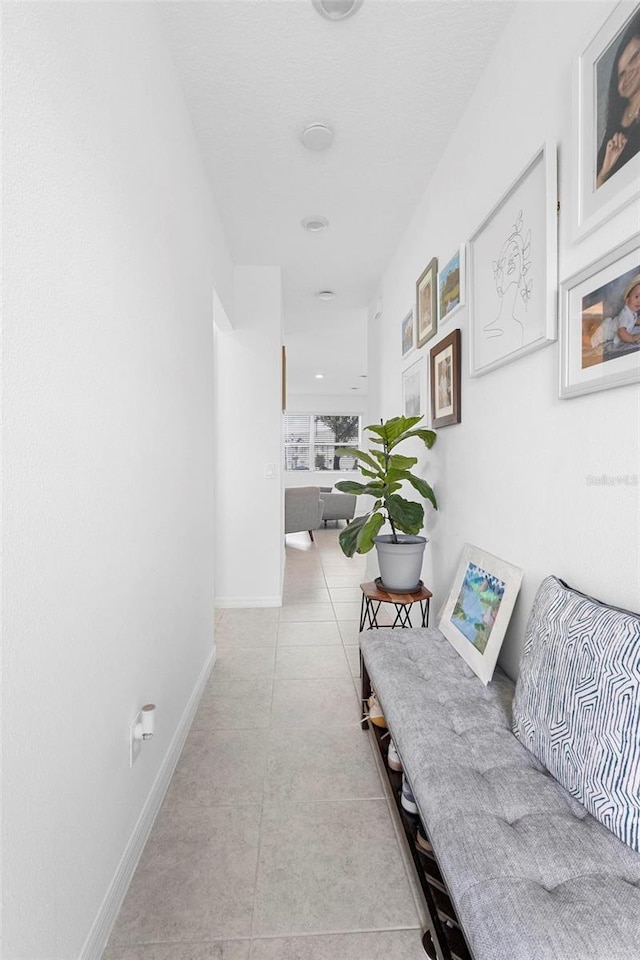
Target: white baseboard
101	929
229	603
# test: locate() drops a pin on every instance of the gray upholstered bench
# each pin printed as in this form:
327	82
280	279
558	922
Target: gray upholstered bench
530	873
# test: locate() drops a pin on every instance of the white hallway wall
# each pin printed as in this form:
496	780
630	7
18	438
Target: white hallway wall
512	477
111	248
249	506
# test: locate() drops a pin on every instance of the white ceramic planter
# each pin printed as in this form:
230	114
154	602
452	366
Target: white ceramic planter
400	563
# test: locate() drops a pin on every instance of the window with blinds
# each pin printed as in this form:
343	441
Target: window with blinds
312	439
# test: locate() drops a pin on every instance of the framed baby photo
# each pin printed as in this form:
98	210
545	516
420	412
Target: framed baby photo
446	407
451	285
607	124
513	269
407	334
427	303
600	323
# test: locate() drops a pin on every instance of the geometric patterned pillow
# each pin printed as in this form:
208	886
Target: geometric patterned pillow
577	702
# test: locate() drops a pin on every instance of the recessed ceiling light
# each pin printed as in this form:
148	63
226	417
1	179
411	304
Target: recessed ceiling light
325	295
317	136
319	376
337	9
315	224
363	376
354	388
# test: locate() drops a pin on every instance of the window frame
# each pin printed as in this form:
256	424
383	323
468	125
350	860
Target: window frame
315	445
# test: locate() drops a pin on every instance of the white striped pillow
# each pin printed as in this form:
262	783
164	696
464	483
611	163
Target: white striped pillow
577	702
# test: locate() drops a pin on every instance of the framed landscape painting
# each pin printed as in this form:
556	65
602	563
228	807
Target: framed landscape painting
451	285
600	323
478	609
607	127
427	302
407	334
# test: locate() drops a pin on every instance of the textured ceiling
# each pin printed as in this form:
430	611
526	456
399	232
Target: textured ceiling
391	82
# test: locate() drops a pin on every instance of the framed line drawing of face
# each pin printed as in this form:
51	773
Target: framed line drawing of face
513	269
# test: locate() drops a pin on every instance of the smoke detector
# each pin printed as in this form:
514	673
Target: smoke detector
325	295
337	9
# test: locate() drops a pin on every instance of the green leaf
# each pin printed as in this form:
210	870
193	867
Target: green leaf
423	489
359	455
428	437
392	485
368	531
418	483
391	430
406	515
350	486
368	473
348	538
398	462
375	489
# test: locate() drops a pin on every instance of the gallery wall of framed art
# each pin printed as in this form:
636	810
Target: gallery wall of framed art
502	209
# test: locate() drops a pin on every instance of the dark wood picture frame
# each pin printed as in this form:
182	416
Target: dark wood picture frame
446	407
427	303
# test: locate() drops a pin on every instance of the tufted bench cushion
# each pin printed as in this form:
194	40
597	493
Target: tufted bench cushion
531	874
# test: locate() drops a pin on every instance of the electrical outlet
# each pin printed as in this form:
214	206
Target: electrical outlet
135	746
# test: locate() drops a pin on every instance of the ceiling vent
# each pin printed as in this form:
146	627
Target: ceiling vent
315	224
337	9
317	136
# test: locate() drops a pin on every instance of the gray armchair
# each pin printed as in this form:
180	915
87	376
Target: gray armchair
337	506
302	509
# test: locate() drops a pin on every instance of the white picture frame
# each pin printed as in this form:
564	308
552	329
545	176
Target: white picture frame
477	611
513	269
453	274
413	392
592	357
594	119
408	335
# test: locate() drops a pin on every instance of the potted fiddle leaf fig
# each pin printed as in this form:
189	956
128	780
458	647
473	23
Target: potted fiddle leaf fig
385	471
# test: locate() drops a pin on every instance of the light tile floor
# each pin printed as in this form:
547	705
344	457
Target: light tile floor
276	840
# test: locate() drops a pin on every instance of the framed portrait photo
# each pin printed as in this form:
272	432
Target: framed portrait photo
451	285
607	127
478	609
412	390
407	334
600	323
445	381
427	303
513	272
